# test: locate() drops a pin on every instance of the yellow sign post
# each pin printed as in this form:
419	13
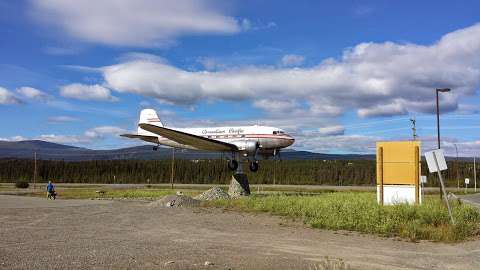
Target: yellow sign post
398	172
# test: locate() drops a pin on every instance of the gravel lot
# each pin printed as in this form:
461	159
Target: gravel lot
75	234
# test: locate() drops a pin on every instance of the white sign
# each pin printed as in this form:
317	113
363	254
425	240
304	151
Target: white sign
436	160
423	179
467	181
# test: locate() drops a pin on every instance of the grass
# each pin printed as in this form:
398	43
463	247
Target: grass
149	194
359	211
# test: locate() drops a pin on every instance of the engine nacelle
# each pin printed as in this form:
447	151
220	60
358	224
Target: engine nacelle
250	146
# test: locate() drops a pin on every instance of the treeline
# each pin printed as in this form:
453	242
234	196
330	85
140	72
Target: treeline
291	172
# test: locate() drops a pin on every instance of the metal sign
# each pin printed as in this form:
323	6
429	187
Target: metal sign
398	172
436	160
423	179
467	181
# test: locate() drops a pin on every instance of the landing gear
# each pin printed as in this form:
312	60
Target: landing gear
155	148
253	166
232	164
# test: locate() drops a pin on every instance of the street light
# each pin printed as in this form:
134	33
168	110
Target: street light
443	90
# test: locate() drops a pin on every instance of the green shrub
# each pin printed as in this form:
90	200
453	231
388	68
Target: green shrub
22	184
360	212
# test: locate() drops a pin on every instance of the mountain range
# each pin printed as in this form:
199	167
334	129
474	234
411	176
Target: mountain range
55	151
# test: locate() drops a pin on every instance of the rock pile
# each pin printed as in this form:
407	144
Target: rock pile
176	201
214	193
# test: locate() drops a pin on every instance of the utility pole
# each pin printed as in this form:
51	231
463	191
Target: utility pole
35	170
172	172
456	165
274	170
414	128
474	174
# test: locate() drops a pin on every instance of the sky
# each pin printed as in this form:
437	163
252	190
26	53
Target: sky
337	75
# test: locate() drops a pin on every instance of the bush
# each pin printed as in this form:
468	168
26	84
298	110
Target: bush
360	212
22	184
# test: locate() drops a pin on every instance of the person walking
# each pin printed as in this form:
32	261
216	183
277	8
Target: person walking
51	190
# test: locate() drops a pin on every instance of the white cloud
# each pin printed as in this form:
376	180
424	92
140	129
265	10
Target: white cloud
289	60
145	23
332	130
64	139
395	108
372	78
62	119
6	97
275	105
87	92
33	93
245	24
210	63
88	137
100	132
14	139
358	144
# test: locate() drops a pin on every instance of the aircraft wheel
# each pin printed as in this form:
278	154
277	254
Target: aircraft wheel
253	166
155	148
232	164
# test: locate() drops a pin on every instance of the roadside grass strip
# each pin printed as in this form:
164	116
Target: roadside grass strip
147	194
359	211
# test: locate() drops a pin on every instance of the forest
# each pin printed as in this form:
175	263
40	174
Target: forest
213	171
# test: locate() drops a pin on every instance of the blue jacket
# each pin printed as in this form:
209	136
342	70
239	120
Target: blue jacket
50	187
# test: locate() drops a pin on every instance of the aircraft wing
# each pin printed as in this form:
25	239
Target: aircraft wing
189	139
152	139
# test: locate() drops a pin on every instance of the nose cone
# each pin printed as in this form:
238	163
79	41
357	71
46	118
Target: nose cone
290	140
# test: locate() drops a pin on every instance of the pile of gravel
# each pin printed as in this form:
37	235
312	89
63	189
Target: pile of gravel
175	201
214	193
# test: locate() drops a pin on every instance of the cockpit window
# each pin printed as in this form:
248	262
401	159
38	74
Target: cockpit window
278	132
275	133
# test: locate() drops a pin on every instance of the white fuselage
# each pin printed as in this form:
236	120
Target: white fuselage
268	138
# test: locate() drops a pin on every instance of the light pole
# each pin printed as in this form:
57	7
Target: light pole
443	90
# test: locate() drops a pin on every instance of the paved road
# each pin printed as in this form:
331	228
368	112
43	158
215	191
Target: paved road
135	235
473	199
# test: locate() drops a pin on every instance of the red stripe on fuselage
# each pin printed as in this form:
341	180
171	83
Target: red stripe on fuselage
249	136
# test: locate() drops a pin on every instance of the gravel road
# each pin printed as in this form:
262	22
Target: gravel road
76	234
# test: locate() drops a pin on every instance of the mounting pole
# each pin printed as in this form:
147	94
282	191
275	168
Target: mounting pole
443	188
172	171
35	170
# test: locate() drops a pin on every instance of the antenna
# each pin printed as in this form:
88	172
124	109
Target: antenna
414	128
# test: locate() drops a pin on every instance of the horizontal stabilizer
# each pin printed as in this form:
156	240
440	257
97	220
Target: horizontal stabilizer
152	139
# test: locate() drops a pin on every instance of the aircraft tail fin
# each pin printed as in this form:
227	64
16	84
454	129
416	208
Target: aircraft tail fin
149	116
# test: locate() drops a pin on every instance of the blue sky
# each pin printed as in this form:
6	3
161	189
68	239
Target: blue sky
337	75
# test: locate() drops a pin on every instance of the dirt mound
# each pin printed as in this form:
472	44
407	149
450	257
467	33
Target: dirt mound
175	201
214	193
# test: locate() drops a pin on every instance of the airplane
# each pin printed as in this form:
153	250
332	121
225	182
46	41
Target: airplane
242	142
